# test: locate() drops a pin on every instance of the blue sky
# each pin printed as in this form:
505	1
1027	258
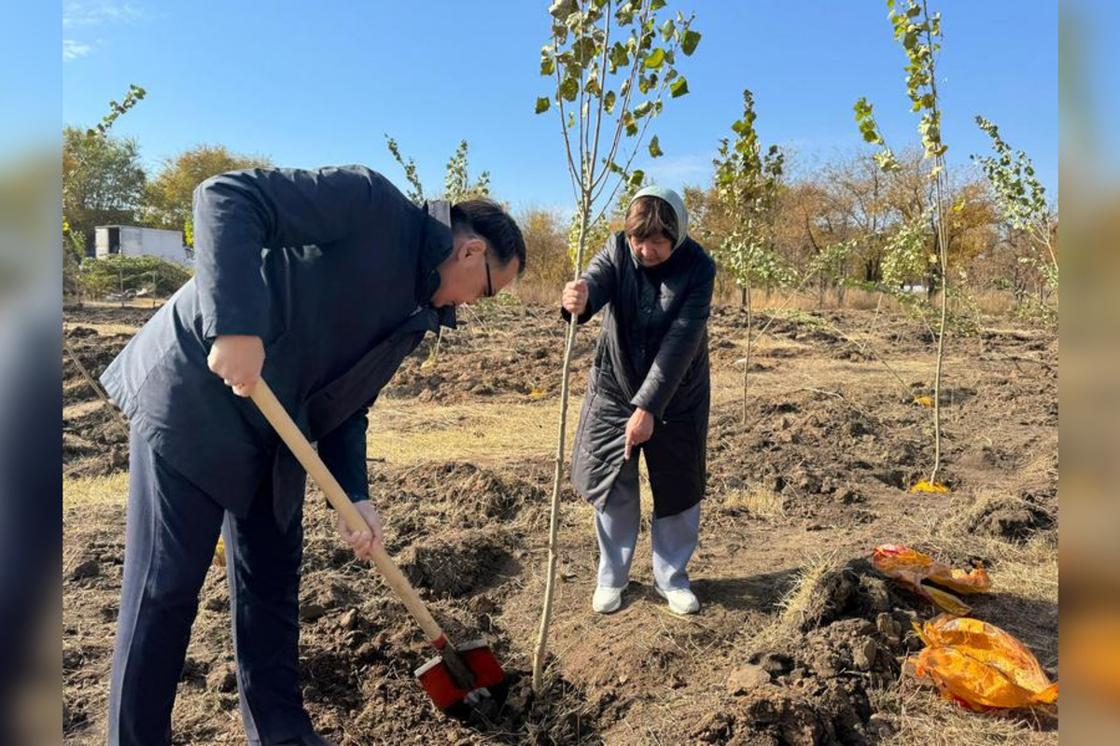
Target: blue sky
320	83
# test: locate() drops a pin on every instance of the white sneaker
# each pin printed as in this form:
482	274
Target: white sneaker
607	600
681	600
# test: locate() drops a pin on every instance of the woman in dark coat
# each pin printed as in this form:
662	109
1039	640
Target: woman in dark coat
648	390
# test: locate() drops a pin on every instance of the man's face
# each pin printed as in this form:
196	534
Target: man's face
471	273
652	250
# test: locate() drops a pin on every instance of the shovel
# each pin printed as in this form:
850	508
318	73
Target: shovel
458	677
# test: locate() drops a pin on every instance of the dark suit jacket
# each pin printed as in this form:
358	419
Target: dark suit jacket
334	270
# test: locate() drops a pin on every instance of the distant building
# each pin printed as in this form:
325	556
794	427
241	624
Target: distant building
132	240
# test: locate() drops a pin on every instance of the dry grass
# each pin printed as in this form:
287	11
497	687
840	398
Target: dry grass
537	292
793	608
74	411
758	501
94	490
406	432
919	716
104	330
802	594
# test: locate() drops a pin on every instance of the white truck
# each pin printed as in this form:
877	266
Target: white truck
132	240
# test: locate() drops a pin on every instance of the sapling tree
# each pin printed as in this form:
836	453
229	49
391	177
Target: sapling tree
918	32
746	187
457	186
132	96
1022	200
610	64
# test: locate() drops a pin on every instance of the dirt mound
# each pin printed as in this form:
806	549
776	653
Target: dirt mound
95	351
94	442
482	360
782	446
455	564
843	636
782	715
1010	518
432	497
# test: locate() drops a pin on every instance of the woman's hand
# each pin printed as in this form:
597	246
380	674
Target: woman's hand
363	542
639	429
237	359
574	297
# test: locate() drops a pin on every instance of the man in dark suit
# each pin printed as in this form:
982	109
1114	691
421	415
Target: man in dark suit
322	282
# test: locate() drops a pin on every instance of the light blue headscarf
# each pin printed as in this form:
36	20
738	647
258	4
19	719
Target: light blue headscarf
674	201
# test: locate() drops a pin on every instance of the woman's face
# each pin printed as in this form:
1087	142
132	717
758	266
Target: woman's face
652	250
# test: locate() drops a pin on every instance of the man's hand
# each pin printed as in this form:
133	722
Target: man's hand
237	359
639	429
363	542
574	297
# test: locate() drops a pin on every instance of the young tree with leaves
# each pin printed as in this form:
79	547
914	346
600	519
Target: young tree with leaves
918	31
746	188
456	181
611	63
457	188
102	179
1022	200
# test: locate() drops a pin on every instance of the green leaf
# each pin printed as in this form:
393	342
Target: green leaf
642	109
619	55
667	30
548	64
689	41
569	88
655	59
655	148
542	104
656	5
862	108
608	102
678	87
562	8
630	124
636	177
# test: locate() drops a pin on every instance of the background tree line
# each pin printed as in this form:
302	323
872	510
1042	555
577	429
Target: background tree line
879	218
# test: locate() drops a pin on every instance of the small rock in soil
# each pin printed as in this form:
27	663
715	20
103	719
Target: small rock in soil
863	654
310	612
746	678
91	568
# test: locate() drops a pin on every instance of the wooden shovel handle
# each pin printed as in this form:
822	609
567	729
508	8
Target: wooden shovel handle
275	413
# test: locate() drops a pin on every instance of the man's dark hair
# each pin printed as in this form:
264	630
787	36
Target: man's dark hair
487	220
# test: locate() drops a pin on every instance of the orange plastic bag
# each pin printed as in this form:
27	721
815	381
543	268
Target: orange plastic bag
980	666
912	567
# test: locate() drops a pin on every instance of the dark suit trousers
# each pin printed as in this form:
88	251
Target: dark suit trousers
172	528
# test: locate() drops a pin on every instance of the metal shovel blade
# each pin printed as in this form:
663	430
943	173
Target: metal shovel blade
488	679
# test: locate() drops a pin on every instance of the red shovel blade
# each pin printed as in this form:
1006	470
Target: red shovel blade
440	685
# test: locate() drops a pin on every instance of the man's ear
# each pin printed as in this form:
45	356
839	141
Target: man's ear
472	246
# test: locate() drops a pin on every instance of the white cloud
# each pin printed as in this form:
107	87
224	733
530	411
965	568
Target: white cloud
72	50
86	13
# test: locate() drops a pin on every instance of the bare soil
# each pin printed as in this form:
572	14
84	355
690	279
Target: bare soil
799	640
